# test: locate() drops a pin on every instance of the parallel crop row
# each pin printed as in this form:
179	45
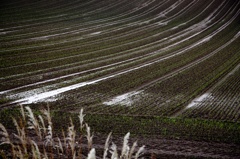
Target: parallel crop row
134	57
221	103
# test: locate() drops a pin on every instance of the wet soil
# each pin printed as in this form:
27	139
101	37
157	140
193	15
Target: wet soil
180	149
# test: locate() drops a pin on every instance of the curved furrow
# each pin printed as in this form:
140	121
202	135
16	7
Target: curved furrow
163	104
199	61
120	57
73	30
105	23
222	97
46	12
146	86
55	18
37	10
91	82
133	58
128	60
63	18
94	21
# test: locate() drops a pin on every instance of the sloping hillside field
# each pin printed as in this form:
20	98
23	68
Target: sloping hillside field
158	68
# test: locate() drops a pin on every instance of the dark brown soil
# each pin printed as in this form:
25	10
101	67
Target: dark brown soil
162	148
179	149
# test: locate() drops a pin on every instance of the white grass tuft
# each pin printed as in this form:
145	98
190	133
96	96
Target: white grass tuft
23	113
89	137
125	148
21	135
140	152
114	151
81	118
132	149
5	134
23	150
43	123
60	145
49	137
17	153
106	146
35	150
71	138
33	123
48	116
92	154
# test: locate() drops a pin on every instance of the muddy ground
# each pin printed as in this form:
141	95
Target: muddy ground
157	147
180	149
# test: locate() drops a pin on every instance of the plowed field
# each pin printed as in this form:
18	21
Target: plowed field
142	59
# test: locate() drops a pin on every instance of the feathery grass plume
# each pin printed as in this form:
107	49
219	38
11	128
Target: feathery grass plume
106	146
92	154
71	138
18	153
114	151
7	140
16	125
140	151
45	156
33	123
35	150
132	149
64	140
49	136
125	148
81	118
23	113
5	134
60	145
43	124
89	137
21	151
21	135
48	115
49	139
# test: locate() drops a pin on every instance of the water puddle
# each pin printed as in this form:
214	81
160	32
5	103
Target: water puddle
199	100
126	99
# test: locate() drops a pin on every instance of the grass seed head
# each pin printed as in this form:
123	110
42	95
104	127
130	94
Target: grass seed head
89	137
48	138
23	113
114	151
125	148
35	150
71	138
43	124
106	146
92	154
33	122
21	135
5	135
140	152
47	113
81	118
60	145
18	152
132	149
